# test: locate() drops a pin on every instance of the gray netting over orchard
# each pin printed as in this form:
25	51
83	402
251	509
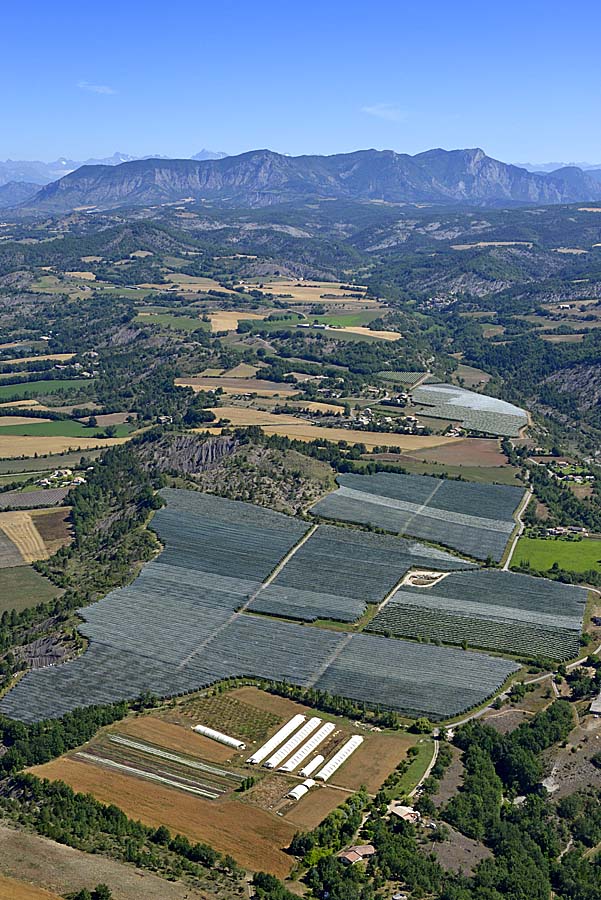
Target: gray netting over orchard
338	571
475	519
490	609
181	626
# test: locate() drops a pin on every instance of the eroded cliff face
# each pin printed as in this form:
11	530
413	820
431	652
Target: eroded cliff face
582	382
189	454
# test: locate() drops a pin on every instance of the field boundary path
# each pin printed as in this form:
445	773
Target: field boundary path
236	615
330	660
520	526
424	505
431	765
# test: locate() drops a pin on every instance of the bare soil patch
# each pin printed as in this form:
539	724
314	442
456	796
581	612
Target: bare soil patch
459	852
314	807
484	452
451	780
373	761
570	767
256	839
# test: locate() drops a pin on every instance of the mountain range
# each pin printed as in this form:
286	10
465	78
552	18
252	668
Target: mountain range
263	178
40	173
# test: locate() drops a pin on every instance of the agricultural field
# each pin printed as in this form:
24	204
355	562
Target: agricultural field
21	587
492	610
31	389
31	499
319	292
476	412
14	446
228	320
19	528
58	427
169	320
234	384
543	553
337	572
475	519
156	761
293	427
173	629
403	379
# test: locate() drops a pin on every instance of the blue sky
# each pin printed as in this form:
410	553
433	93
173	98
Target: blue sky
522	80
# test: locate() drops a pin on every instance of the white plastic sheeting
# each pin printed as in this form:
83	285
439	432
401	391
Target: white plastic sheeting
303	752
275	741
339	758
292	743
301	789
219	737
311	766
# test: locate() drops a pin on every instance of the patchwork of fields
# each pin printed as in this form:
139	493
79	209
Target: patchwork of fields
183	625
490	609
475	519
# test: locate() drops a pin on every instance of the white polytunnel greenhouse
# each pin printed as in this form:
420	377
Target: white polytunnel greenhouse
301	789
312	766
292	743
219	737
303	752
275	741
339	758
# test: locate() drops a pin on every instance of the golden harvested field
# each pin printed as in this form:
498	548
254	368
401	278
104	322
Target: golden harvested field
91	259
318	406
188	284
19	420
57	357
85	276
14	445
293	427
491	244
19	890
174	737
369	333
242	370
20	403
312	291
19	528
237	385
255	838
227	320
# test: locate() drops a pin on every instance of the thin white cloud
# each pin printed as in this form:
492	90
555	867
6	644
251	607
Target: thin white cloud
96	88
390	112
